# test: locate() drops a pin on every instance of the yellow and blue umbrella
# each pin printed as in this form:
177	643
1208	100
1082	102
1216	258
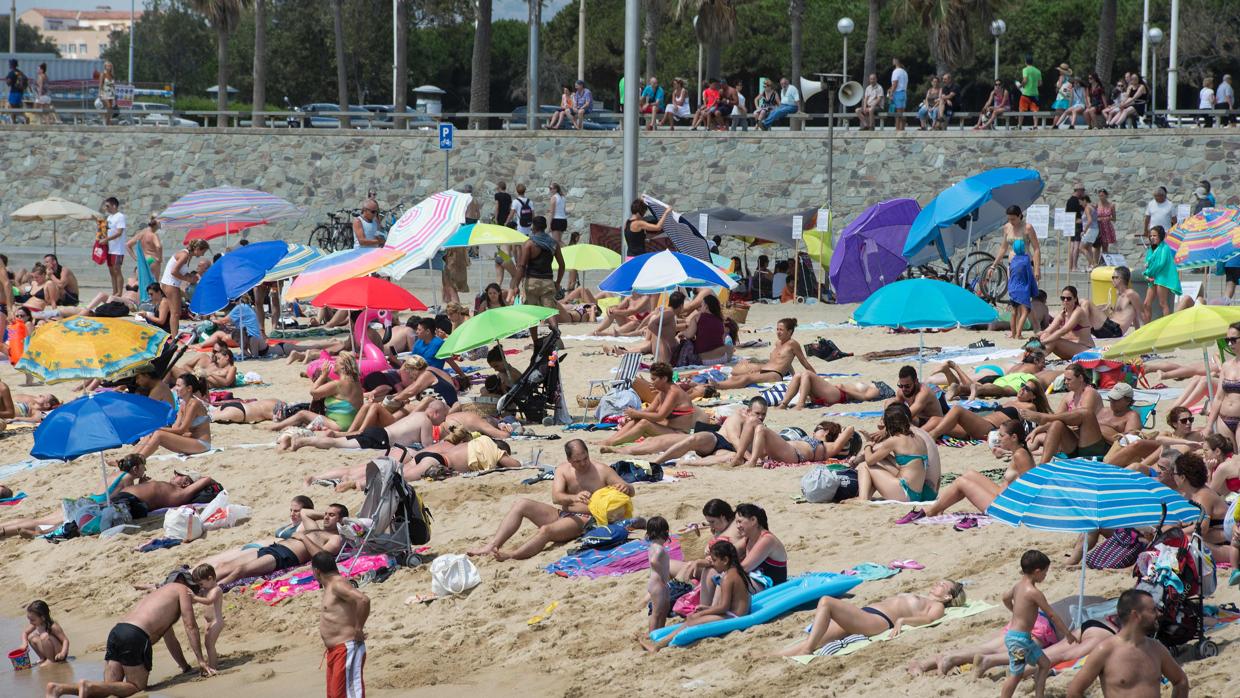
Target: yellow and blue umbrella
1209	237
90	347
476	234
294	262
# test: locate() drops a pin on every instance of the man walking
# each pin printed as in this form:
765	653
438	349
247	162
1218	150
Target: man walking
1030	81
898	92
116	242
342	621
534	266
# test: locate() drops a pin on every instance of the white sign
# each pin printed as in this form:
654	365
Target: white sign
1039	216
1182	212
702	219
1114	260
797	227
824	216
1065	222
1191	289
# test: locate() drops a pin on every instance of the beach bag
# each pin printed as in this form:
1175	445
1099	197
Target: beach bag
453	574
99	253
182	523
825	484
631	472
112	309
1117	552
614	404
89	517
420	523
220	514
609	505
604	537
688	602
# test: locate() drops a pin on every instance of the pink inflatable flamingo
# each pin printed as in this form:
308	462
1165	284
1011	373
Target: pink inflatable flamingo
370	356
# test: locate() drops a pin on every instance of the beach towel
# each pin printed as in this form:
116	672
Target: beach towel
633	556
970	609
953	519
144	276
23	466
301	580
596	338
872	571
13	501
858	414
962	355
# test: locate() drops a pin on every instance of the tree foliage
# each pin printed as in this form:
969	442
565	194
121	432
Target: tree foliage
29	39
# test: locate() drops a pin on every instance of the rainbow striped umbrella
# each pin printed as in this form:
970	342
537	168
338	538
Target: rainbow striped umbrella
337	267
1206	238
299	257
210	213
420	233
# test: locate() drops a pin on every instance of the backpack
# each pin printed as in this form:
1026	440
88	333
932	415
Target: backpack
419	523
21	83
525	213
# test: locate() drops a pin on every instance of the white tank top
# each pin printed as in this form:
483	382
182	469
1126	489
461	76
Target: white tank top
168	279
369	228
561	207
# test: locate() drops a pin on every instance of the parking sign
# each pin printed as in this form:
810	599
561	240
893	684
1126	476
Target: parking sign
447	134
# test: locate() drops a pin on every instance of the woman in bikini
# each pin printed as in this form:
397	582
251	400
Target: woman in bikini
980	490
132	471
765	560
807	387
1220	455
417	377
1192	481
671	412
777	368
828	440
191	432
1225	410
733	600
1070	332
25	408
242	412
992	384
217	367
721	521
836	619
962	423
1074	429
895	467
1144	453
342	398
41	292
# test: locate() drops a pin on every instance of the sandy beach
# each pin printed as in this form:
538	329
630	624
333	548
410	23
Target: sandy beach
481	644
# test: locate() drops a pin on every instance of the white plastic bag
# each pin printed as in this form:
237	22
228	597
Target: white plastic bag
453	574
221	514
183	523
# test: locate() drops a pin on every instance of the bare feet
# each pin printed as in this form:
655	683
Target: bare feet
606	449
647	644
500	555
794	650
347	485
479	552
284	443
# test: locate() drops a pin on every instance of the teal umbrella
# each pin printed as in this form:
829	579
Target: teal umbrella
492	325
918	304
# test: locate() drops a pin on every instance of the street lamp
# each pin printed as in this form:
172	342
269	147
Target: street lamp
1155	37
997	29
845	26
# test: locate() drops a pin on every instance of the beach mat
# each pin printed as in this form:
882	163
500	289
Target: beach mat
625	558
970	609
24	466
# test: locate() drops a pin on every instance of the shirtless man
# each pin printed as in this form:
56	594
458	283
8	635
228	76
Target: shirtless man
660	331
726	446
1126	310
922	400
128	660
569	514
1015	229
416	427
476	455
6	291
777	368
69	290
342	622
670	412
291	552
1131	664
150	245
144	497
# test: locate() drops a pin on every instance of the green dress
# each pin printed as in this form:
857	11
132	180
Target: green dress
1160	268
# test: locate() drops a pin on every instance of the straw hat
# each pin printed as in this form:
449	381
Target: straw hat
1063	68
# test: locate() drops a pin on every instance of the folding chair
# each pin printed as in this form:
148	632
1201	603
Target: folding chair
625	373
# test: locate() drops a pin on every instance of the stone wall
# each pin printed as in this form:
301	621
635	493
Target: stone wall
762	173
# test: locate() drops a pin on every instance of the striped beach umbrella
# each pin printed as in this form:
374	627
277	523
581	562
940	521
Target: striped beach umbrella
1206	238
684	236
338	266
421	231
656	272
294	262
209	213
476	234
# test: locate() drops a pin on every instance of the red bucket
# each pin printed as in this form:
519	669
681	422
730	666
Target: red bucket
20	659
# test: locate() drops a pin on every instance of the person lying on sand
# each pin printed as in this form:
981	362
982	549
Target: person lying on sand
475	455
962	423
961	382
569	515
419	427
285	553
807	387
217	367
671	411
827	440
727	445
128	659
836	619
25	408
777	368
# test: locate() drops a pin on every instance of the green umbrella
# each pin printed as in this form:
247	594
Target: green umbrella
585	257
492	325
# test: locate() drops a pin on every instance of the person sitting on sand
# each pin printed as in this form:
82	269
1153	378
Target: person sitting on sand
726	445
658	332
896	467
162	315
1192	481
924	401
808	387
721	522
836	619
1083	427
827	440
569	514
962	423
707	329
766	558
627	317
191	432
671	411
777	368
44	635
217	367
1070	332
40	291
416	428
25	408
1145	451
341	397
287	552
1125	311
128	659
1132	663
1219	453
238	324
731	601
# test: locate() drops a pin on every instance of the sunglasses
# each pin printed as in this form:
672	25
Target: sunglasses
1231	339
1066	299
1185	420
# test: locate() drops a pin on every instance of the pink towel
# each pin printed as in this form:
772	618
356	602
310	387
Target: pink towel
301	580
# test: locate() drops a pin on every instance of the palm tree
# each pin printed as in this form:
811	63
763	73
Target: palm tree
342	74
654	15
1105	56
259	99
716	26
400	95
480	71
223	15
949	28
871	39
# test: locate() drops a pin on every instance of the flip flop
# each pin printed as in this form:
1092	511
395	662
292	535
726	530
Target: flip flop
546	613
906	565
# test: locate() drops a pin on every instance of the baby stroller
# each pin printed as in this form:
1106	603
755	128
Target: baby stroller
399	518
1178	571
538	390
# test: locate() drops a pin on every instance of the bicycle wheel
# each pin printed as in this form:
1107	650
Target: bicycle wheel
321	237
344	236
992	288
938	269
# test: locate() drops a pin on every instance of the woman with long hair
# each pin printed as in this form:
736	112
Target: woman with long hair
342	398
191	432
107	92
961	423
1070	332
895	467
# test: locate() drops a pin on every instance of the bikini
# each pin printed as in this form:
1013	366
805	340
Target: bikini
201	420
814	444
1231	387
880	614
927	493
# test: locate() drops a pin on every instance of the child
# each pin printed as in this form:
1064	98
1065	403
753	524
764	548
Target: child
658	534
731	599
44	635
213	599
1025	602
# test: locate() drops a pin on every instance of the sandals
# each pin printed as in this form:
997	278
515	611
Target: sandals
982	344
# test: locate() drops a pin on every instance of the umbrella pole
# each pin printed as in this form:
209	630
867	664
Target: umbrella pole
659	341
921	353
103	475
1205	356
54	248
796	267
1080	601
968	242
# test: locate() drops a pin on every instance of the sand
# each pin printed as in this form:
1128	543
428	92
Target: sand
481	644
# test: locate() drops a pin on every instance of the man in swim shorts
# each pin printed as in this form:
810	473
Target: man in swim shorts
923	401
291	552
144	497
342	621
476	455
416	427
777	368
569	514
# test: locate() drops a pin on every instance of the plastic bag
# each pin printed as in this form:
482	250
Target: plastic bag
616	402
99	253
453	574
183	523
91	518
221	514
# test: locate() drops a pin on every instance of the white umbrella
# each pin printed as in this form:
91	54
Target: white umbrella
53	209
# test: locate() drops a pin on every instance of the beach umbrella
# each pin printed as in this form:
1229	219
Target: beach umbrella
84	347
1204	239
919	304
684	235
97	422
656	272
586	257
968	210
368	293
235	273
1195	326
476	234
338	266
294	262
492	325
422	229
54	209
871	250
1073	495
209	213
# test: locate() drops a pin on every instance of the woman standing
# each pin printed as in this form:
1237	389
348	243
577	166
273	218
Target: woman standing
176	278
1089	230
559	213
1226	406
1161	272
1105	211
43	97
636	227
107	92
1022	287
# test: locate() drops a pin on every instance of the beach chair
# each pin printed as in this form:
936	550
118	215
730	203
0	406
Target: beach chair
625	373
399	519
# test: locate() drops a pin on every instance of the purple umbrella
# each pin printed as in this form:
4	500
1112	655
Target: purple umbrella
870	252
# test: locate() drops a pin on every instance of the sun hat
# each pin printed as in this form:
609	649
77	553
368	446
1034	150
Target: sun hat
1120	391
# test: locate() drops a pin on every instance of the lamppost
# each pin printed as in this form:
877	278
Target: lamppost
997	29
1155	37
845	26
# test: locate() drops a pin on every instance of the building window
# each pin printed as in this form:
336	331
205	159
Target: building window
82	49
71	49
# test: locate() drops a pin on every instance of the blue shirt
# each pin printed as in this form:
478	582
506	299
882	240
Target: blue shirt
244	317
653	95
427	350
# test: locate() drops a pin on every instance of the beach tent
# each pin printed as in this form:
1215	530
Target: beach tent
735	223
869	253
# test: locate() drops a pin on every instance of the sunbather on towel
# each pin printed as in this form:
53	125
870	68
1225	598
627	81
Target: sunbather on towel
670	412
569	515
836	619
807	387
286	553
776	368
419	427
727	445
25	408
477	454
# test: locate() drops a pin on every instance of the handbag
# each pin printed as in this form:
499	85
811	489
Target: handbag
99	253
1117	552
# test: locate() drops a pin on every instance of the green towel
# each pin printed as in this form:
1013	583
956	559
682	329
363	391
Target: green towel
970	609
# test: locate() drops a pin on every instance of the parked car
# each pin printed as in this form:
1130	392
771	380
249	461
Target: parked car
420	122
156	114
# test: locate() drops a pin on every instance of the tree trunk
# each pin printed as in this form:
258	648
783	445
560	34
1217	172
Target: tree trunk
221	75
871	40
342	74
480	71
400	97
651	35
714	60
1105	57
259	99
796	12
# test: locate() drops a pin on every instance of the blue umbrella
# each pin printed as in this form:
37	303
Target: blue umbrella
97	422
1072	495
918	304
967	210
656	272
235	273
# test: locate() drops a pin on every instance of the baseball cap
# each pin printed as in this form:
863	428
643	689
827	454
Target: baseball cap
1120	391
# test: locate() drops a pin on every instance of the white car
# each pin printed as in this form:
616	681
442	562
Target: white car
159	115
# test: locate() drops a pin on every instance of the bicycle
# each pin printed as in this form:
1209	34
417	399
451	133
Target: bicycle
992	288
337	233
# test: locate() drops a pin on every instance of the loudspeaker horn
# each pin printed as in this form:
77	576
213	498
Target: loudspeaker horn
809	88
851	93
